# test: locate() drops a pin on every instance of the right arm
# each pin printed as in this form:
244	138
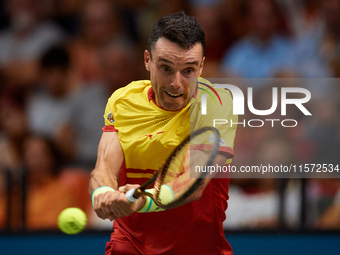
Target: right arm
110	158
111	204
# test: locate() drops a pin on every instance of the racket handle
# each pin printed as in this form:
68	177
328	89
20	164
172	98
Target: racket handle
129	195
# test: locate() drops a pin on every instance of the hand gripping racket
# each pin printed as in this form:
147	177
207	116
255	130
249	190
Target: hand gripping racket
196	152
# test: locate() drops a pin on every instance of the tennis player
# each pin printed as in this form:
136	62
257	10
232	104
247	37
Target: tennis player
144	122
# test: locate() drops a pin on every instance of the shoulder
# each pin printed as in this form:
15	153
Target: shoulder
132	90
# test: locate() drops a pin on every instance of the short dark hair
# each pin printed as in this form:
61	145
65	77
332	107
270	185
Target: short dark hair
178	28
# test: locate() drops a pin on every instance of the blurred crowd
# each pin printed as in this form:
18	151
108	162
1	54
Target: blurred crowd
61	60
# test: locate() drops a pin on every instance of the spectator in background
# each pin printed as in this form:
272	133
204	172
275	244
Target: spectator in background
254	203
303	15
154	11
47	192
323	129
49	107
65	14
86	120
318	53
49	187
264	51
59	108
100	25
217	42
118	65
168	7
23	43
232	13
329	207
13	130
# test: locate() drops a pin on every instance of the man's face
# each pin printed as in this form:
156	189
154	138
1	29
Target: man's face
171	68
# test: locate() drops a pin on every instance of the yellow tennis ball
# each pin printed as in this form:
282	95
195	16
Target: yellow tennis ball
72	220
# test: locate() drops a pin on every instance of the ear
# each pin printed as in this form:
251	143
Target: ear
147	59
201	67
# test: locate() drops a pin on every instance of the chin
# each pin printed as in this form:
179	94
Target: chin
174	108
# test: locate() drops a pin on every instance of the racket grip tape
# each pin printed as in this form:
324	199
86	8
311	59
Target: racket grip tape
129	195
100	190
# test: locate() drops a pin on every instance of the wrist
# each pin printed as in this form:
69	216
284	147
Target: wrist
100	190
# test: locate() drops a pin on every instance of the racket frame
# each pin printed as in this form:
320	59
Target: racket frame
159	176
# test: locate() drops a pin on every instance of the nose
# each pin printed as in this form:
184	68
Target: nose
177	80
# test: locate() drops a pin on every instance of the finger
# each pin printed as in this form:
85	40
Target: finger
121	207
107	207
127	187
101	214
98	208
123	189
102	207
98	213
118	210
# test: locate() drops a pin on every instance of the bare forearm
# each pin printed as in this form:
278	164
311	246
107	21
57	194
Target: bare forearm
102	177
109	161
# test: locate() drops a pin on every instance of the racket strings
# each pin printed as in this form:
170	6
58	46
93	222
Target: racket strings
177	164
179	173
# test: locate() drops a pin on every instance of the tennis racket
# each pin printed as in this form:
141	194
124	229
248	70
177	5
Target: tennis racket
179	172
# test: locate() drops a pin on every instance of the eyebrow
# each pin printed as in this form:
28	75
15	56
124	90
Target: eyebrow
167	61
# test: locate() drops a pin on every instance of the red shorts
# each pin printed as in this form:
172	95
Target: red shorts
120	245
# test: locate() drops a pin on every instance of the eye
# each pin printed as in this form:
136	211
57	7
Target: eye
165	68
189	71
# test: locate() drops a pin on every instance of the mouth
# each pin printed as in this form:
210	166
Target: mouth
174	95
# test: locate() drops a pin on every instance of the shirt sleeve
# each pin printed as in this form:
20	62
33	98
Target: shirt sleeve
109	115
220	115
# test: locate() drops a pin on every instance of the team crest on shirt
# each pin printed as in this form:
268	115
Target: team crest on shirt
110	117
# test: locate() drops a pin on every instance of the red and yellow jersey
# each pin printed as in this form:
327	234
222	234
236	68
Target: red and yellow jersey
148	134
